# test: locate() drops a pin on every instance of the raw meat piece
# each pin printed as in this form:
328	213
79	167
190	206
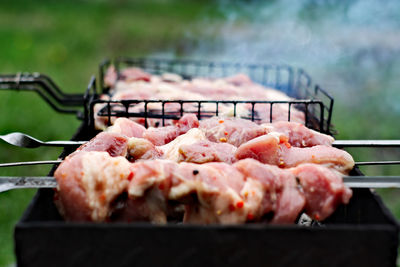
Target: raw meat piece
148	191
111	76
127	127
216	187
265	148
187	122
114	143
290	202
239	79
323	188
171	150
330	157
274	149
164	135
299	135
280	194
234	131
142	149
88	182
206	151
133	84
93	186
135	74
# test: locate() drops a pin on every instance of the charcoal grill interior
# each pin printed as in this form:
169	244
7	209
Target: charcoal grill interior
360	233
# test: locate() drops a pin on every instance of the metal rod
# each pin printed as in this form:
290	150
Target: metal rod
7	183
64	143
389	162
366	143
372	181
13	164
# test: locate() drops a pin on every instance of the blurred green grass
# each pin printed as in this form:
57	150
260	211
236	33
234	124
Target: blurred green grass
67	39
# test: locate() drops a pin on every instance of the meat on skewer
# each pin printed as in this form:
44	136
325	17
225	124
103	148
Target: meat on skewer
92	186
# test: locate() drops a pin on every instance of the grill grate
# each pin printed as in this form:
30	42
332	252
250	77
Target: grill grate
316	104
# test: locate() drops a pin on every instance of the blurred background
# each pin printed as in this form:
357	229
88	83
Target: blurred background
351	48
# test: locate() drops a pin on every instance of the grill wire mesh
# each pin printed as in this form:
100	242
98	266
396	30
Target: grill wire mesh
312	100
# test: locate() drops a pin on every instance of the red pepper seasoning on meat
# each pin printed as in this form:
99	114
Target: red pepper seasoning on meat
130	176
239	204
250	217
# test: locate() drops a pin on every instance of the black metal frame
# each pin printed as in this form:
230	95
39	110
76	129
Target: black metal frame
46	88
317	104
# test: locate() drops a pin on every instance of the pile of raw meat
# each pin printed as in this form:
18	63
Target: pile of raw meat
222	170
134	83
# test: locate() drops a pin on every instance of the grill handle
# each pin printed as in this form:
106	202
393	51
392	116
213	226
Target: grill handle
46	88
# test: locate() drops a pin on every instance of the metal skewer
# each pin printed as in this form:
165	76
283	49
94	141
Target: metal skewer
8	183
24	140
25	163
366	143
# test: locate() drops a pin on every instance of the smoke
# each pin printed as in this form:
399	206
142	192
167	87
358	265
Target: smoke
351	48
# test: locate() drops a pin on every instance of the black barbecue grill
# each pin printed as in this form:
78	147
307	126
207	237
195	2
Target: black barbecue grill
362	233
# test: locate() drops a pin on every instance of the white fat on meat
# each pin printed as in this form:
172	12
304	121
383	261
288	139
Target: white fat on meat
143	149
88	182
217	189
171	150
298	134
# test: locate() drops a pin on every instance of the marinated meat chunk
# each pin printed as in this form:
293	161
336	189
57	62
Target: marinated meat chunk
213	190
206	151
114	143
274	149
234	131
133	83
135	74
88	182
172	149
281	196
187	122
143	149
93	186
127	127
323	189
148	192
331	157
290	201
163	135
299	135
